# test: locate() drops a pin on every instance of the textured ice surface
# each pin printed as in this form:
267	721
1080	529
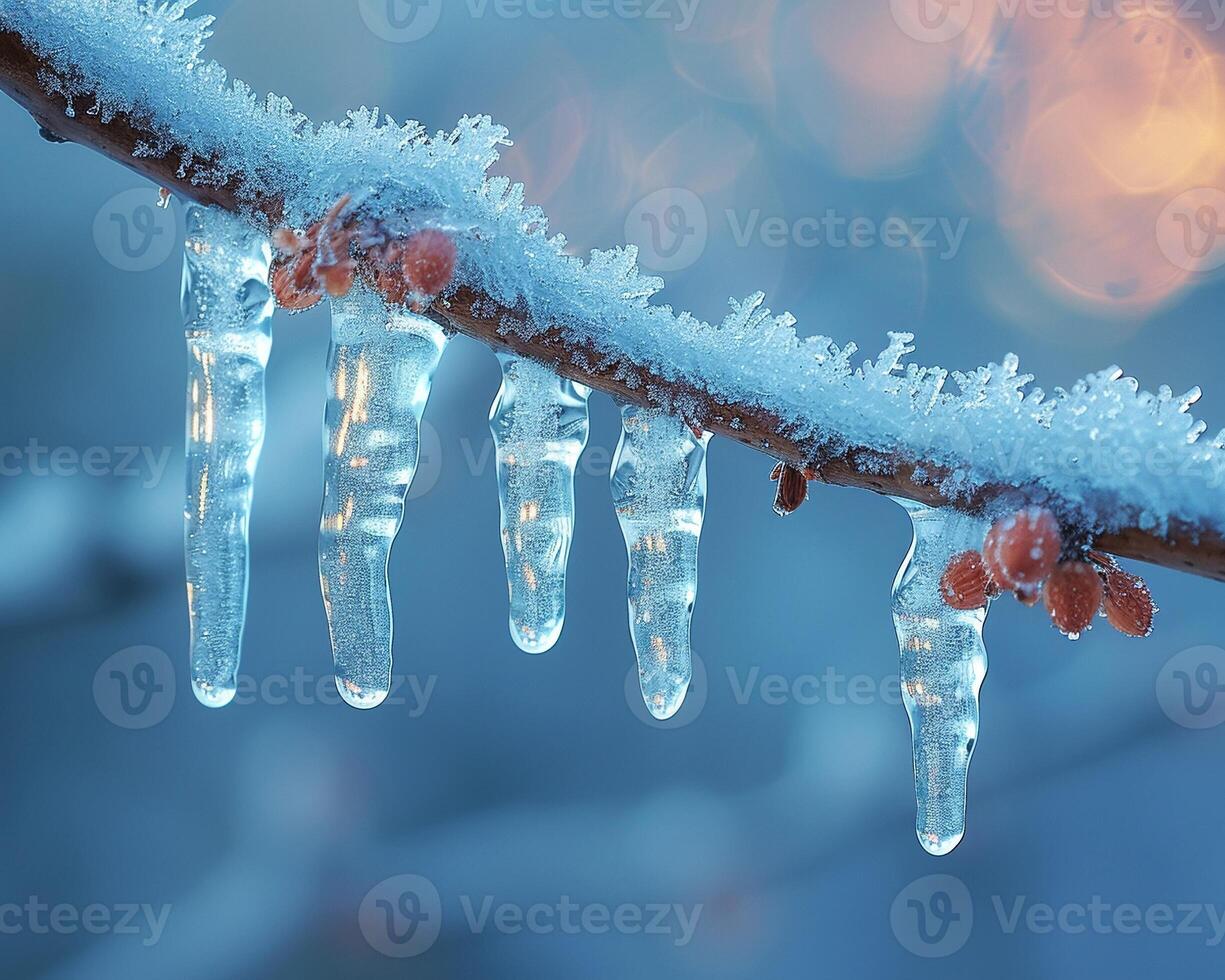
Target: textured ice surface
380	369
539	422
943	665
1100	445
227	316
659	490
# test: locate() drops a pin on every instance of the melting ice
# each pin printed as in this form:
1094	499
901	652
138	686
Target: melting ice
539	422
944	662
227	315
380	369
659	490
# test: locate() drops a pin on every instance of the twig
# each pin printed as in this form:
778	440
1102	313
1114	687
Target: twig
1186	548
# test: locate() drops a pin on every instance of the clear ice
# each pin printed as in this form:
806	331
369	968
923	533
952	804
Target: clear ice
227	317
539	423
380	369
943	664
659	491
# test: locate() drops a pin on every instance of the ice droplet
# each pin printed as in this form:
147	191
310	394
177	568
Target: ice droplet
659	490
380	369
539	423
943	664
227	317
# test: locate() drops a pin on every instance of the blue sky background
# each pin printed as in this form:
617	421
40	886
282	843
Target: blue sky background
264	826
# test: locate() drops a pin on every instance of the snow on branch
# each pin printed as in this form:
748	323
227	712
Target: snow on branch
129	79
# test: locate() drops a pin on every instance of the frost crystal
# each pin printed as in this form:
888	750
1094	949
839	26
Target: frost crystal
1113	455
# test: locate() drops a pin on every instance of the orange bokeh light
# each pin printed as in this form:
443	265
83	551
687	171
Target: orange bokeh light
1090	134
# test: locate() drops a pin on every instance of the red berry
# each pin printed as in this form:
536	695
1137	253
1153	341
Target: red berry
965	584
1129	604
291	292
1073	596
1023	549
428	260
288	241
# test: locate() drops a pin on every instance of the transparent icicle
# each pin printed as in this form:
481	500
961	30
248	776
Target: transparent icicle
227	316
539	423
380	369
943	664
659	490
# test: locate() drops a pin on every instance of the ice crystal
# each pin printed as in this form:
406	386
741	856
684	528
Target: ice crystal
1113	455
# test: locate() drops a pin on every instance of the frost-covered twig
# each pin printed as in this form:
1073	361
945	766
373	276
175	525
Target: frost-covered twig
128	79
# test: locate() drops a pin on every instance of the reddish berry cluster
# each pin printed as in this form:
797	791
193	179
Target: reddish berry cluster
1021	554
335	250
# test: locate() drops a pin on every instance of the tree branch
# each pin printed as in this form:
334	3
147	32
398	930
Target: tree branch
1185	548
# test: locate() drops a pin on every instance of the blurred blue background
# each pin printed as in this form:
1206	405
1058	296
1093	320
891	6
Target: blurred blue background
784	825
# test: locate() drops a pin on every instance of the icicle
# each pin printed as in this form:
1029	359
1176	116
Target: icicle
944	662
539	422
227	316
659	490
380	369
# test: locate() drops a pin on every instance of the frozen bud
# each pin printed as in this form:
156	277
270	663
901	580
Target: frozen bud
1023	549
1073	595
